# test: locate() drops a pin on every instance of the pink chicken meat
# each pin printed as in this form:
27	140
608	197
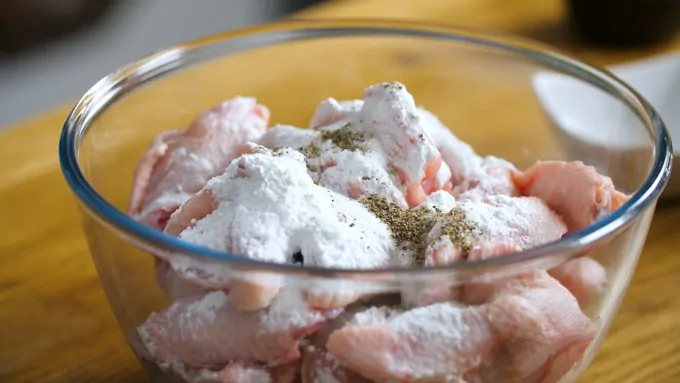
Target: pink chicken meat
523	222
553	182
179	163
228	215
472	176
527	330
318	365
306	197
238	372
206	331
392	154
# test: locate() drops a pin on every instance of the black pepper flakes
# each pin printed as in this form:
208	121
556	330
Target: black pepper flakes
393	86
411	227
310	150
278	152
345	138
459	229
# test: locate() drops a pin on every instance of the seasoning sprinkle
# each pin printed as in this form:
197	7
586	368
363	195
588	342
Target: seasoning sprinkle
278	152
310	150
411	227
393	85
345	138
459	229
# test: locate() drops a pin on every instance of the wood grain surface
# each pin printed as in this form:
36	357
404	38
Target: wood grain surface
55	323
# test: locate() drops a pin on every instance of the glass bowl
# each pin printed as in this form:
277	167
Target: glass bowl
479	84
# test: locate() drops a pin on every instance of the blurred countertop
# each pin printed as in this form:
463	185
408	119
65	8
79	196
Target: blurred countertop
49	74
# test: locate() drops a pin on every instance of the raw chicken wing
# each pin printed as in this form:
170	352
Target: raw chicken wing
179	163
575	191
206	331
529	329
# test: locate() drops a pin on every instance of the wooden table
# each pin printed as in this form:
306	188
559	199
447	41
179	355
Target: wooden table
55	325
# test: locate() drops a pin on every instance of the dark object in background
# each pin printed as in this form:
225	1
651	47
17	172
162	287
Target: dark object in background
24	23
294	5
621	23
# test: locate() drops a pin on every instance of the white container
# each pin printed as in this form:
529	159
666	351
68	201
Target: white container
591	125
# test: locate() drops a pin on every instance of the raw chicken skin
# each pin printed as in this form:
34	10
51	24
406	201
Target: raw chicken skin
583	276
459	156
431	343
540	322
350	173
157	215
331	111
395	143
179	163
226	327
528	325
486	250
391	114
575	191
205	331
500	220
193	276
237	372
493	177
318	366
302	211
472	176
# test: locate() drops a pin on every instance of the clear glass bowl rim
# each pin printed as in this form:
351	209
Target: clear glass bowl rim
127	78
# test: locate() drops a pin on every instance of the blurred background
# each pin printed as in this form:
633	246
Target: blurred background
52	51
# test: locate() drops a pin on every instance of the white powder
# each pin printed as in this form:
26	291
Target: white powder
269	208
356	173
394	140
290	310
492	177
439	201
243	374
438	336
331	111
459	156
191	375
372	315
286	136
272	204
441	339
353	173
524	221
430	324
208	331
390	113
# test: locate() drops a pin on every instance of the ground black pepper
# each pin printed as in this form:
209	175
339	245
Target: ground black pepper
345	138
411	227
310	151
